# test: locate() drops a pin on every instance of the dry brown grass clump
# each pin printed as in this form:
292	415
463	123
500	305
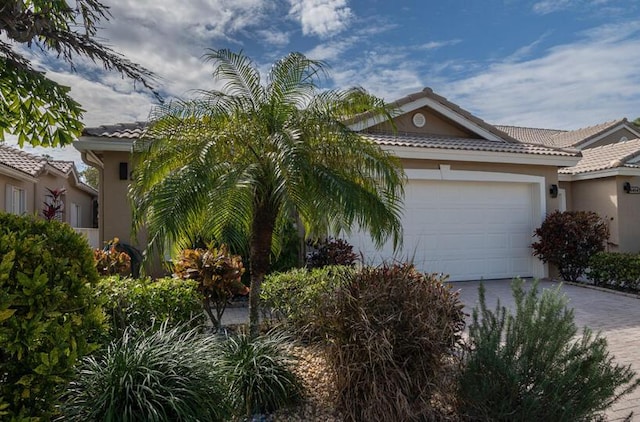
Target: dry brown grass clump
393	334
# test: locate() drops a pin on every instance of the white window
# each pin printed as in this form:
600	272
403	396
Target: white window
15	200
76	215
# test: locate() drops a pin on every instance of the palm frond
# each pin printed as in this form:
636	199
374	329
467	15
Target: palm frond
241	77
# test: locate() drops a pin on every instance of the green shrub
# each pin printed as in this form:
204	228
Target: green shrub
48	312
392	335
296	298
162	375
258	373
330	252
568	239
144	303
617	270
532	366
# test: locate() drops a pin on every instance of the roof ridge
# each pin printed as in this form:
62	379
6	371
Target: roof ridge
607	123
529	127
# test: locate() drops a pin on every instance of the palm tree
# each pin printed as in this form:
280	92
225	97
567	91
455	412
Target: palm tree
245	159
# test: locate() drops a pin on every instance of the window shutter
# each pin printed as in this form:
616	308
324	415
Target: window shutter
8	198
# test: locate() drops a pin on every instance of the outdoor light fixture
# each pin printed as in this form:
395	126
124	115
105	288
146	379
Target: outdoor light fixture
553	191
626	187
123	171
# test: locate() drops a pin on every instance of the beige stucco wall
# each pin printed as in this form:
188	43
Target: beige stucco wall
36	195
115	210
115	213
21	184
436	125
549	173
72	195
600	196
628	215
613	138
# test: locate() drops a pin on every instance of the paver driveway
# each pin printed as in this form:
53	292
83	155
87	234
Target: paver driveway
616	316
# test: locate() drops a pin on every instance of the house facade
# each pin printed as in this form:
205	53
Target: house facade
607	178
25	178
474	196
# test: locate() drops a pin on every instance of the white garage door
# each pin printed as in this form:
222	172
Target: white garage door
469	230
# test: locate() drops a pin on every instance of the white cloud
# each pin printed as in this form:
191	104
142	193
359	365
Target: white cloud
323	18
570	86
274	37
545	7
433	45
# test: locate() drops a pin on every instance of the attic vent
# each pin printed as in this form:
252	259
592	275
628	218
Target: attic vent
624	139
419	120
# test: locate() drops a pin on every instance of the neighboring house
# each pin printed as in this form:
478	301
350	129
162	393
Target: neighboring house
474	195
24	179
607	178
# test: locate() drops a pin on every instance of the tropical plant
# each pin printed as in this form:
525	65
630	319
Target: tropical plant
110	261
251	157
49	313
330	252
532	365
53	205
257	372
32	106
167	374
218	275
569	239
145	303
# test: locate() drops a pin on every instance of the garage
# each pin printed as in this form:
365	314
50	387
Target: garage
470	230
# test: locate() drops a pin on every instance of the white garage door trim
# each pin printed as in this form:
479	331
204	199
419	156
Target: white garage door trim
446	174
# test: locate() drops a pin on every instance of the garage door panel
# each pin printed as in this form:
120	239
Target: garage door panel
469	230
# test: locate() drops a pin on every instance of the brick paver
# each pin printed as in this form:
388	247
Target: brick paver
616	316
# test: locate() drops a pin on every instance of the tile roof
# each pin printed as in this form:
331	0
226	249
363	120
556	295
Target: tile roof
120	130
579	136
606	157
428	93
529	135
465	144
559	138
63	166
22	161
32	165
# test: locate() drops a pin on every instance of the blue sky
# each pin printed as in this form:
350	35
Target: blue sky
549	63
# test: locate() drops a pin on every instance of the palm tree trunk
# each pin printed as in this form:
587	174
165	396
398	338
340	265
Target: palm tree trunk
259	255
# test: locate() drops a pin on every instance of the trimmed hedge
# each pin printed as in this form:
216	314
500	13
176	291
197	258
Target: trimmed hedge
615	270
296	298
49	312
144	303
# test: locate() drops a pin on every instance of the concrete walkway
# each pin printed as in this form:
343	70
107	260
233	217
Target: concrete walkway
615	315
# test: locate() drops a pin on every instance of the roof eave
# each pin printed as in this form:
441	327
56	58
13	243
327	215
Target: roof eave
598	174
95	143
444	154
17	174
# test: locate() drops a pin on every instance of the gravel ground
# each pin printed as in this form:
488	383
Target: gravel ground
319	387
